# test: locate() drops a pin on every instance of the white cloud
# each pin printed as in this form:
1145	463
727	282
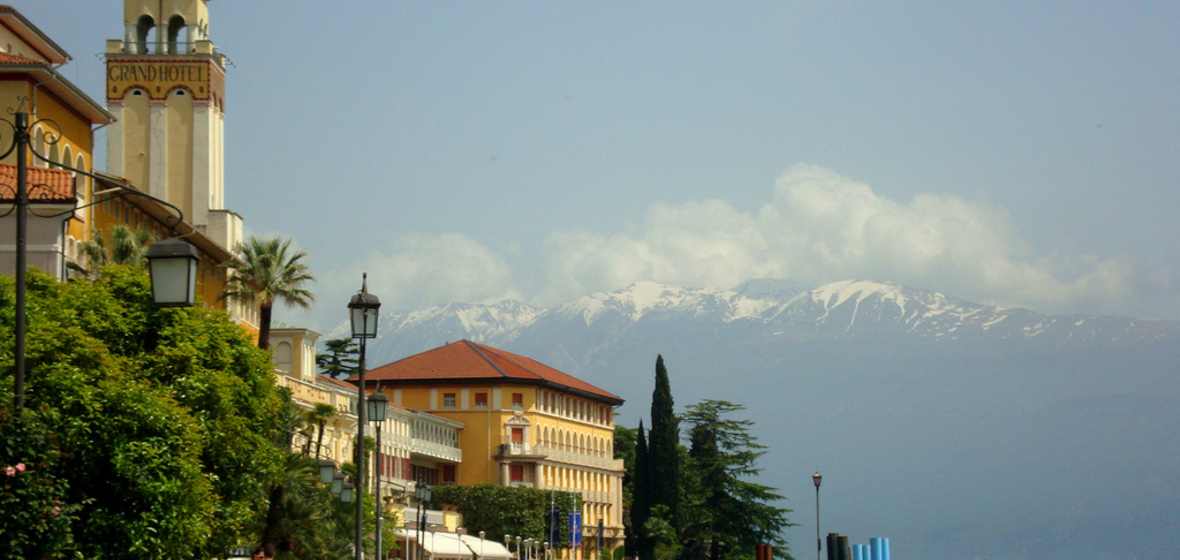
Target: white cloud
421	270
818	227
821	227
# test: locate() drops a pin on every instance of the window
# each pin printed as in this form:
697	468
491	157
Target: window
517	435
424	474
481	400
517	473
448	400
517	400
448	474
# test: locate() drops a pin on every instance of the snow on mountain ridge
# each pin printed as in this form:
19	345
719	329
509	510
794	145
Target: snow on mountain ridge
643	298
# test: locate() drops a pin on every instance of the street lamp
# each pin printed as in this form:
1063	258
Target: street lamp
172	265
422	492
327	470
22	145
377	410
362	309
517	547
816	478
481	541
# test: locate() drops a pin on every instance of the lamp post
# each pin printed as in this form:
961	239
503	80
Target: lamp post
816	478
377	412
481	541
362	310
22	145
422	492
518	538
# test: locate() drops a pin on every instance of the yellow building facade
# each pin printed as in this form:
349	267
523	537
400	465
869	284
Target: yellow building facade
62	119
173	127
525	424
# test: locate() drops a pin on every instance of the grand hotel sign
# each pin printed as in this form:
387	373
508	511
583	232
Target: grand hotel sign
202	78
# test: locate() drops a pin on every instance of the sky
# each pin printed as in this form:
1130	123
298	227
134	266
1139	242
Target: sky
1009	153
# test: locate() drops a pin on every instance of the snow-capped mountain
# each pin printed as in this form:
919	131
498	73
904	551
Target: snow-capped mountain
864	311
925	413
851	309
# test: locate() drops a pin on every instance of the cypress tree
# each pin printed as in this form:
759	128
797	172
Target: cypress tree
664	447
638	544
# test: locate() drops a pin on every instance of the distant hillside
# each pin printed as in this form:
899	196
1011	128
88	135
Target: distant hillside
936	422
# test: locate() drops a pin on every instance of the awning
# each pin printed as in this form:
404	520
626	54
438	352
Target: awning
451	546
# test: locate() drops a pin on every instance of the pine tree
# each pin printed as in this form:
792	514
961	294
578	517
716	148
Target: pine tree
726	514
664	447
340	359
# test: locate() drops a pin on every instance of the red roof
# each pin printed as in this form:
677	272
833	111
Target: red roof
333	381
6	58
44	185
469	362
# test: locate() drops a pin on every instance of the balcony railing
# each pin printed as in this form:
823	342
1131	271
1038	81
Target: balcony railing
578	458
165	48
436	450
519	449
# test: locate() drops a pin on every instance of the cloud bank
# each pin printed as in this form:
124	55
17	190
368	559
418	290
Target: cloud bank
818	227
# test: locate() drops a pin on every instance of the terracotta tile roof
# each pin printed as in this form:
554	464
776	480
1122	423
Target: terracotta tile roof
6	58
467	361
333	381
45	185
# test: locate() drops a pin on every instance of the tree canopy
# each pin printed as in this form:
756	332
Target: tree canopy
339	359
269	271
150	431
722	513
727	513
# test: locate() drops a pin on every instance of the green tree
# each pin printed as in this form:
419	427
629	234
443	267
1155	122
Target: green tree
637	543
320	415
499	510
158	424
304	520
125	246
662	534
663	451
726	513
269	271
340	360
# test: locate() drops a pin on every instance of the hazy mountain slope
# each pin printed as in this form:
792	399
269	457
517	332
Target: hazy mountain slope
954	428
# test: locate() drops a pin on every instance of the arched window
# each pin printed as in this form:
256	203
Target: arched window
282	357
177	36
143	33
81	181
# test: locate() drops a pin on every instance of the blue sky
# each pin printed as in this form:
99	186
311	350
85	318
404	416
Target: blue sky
1012	153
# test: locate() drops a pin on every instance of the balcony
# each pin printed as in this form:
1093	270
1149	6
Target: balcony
436	450
155	48
520	450
581	459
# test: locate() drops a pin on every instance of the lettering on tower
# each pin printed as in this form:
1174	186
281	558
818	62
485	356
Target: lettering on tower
159	77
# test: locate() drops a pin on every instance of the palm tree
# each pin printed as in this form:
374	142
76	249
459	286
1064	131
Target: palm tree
127	246
320	415
268	270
